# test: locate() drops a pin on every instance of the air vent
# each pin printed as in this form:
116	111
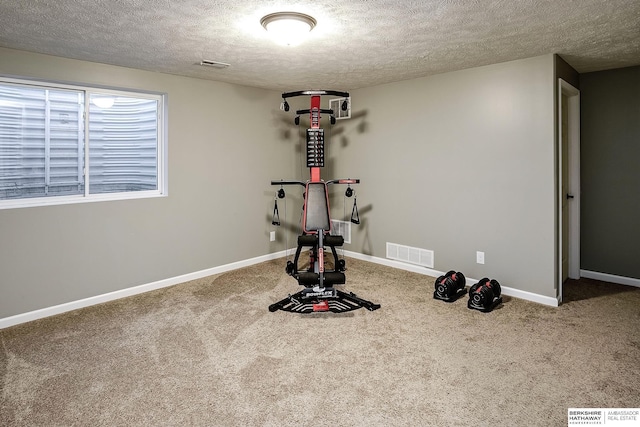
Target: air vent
341	228
411	255
213	64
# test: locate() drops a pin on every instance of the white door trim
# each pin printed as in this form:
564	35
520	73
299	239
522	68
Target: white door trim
573	187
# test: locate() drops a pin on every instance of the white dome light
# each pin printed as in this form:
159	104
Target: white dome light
288	28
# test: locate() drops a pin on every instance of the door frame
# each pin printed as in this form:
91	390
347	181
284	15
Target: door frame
573	186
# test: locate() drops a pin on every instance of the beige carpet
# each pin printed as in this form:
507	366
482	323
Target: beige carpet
209	353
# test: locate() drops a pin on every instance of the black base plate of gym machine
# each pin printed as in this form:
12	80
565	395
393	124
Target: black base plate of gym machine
496	302
338	302
452	298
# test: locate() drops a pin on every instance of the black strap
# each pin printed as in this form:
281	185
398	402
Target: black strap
355	218
276	214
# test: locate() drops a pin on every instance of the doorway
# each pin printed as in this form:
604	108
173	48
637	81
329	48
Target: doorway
568	184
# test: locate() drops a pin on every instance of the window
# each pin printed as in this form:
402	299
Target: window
67	144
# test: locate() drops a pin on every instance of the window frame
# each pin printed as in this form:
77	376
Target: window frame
87	197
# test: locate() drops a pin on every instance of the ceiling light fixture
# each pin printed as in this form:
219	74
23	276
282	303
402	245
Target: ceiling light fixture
288	28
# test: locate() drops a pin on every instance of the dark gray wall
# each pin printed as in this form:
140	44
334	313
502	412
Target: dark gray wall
566	72
610	171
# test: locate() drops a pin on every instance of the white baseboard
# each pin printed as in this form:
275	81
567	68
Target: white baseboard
529	296
605	277
99	299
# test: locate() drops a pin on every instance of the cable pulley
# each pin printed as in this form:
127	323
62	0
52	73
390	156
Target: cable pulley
349	191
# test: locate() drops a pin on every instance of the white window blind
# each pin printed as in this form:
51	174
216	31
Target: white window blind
57	148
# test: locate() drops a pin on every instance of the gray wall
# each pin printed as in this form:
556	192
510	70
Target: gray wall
458	163
225	145
610	171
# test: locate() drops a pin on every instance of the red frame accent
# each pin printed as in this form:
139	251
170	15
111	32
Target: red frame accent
314	117
321	306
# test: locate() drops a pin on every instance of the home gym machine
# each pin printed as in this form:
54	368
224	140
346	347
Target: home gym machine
319	293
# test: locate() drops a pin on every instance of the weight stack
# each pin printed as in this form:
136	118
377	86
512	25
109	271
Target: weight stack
315	148
485	295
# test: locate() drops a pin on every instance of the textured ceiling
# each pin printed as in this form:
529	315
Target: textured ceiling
356	43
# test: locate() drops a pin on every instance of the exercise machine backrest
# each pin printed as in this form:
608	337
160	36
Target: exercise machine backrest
316	209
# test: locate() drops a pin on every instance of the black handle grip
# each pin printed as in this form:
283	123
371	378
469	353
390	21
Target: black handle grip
282	182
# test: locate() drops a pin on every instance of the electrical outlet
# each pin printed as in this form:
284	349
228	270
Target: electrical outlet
480	257
272	236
